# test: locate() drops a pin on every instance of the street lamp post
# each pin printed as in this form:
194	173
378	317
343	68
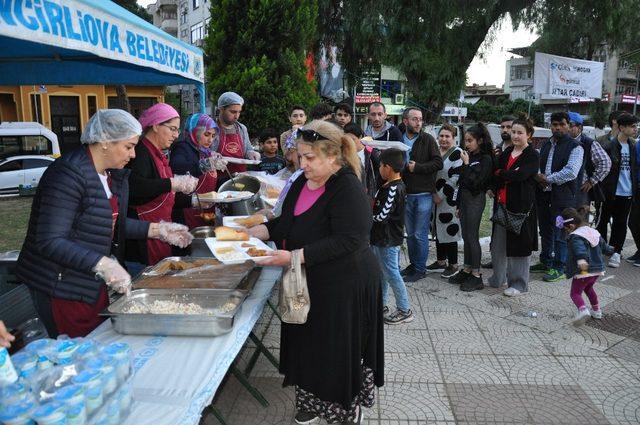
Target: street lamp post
635	100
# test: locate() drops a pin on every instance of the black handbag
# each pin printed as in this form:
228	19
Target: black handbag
509	220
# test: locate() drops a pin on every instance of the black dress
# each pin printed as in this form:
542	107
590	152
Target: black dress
344	329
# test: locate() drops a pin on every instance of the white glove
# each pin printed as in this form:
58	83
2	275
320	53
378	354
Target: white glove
113	274
217	162
253	155
174	234
184	184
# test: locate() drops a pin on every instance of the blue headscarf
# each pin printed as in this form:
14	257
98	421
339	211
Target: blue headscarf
191	131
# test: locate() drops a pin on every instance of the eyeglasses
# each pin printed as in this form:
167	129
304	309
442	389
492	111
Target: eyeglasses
311	135
415	119
173	128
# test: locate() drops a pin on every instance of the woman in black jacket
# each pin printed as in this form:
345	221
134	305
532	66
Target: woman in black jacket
515	191
475	178
78	227
335	359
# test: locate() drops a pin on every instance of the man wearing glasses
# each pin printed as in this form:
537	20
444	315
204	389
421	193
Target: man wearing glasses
419	177
233	138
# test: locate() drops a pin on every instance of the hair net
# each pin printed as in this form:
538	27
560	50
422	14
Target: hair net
230	98
110	125
157	114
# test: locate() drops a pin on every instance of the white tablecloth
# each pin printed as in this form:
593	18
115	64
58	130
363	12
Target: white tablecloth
177	377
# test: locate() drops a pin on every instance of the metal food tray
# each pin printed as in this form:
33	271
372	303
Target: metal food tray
217	323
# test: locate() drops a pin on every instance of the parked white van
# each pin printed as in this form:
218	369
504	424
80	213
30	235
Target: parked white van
27	138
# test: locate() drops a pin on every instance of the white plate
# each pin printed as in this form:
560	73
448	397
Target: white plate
269	201
383	144
229	221
232	160
235	196
242	255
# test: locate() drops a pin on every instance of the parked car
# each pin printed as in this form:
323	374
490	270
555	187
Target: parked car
25	170
27	138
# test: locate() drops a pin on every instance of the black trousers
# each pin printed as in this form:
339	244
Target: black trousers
616	211
447	251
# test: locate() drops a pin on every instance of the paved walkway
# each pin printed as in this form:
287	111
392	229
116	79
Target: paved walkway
479	358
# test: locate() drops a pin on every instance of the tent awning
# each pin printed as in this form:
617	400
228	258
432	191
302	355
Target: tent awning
90	42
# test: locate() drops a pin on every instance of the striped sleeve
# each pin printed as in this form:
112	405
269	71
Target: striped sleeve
388	206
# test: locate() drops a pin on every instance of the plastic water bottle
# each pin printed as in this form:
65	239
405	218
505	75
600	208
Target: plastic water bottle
532	314
8	374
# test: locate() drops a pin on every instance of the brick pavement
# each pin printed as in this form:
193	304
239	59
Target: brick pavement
479	358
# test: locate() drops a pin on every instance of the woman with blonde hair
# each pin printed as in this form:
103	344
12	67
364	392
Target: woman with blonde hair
335	359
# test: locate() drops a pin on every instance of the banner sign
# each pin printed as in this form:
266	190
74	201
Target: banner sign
561	77
454	111
368	87
79	26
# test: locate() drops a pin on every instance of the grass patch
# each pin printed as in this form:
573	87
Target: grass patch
15	217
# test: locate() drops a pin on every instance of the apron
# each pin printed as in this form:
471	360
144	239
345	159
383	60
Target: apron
158	208
233	146
77	318
206	183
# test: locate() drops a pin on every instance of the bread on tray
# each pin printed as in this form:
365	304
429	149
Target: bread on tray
224	233
252	220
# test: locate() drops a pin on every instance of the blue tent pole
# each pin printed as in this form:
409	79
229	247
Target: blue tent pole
203	100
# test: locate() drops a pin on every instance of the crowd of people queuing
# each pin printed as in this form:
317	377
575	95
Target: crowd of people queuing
129	196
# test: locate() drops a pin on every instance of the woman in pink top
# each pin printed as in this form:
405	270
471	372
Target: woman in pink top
335	359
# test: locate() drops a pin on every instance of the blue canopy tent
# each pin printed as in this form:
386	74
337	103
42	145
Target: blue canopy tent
90	42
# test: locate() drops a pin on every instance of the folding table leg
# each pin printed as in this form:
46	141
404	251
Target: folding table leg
218	415
260	348
245	383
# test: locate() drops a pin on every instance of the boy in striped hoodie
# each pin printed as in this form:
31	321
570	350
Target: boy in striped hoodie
387	234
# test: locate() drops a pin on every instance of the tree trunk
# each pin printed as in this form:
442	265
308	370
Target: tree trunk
122	99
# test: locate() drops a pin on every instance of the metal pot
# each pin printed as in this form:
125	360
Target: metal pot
246	206
199	247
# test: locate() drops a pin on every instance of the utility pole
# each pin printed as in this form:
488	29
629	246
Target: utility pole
635	100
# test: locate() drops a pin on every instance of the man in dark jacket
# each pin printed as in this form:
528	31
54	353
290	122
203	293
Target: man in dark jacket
560	163
369	159
419	176
620	185
379	128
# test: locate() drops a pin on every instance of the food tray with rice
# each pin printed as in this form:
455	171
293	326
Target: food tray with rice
179	312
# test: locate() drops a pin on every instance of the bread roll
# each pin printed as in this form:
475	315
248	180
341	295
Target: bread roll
224	233
252	220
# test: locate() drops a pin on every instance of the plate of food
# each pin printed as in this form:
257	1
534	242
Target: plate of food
231	246
243	221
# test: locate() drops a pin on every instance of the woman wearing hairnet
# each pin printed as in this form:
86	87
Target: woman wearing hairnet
153	185
75	241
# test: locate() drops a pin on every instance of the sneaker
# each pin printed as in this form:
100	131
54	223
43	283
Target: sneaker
487	265
637	263
539	268
407	270
385	311
581	317
459	277
596	314
511	292
436	267
414	277
451	271
554	276
614	261
472	283
634	259
398	317
303	418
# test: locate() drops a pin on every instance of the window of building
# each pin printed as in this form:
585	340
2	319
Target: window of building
36	107
184	33
92	105
197	32
183	17
196	4
206	26
521	72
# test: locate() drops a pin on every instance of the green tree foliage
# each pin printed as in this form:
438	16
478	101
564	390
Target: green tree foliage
483	111
431	42
578	28
133	7
257	49
598	111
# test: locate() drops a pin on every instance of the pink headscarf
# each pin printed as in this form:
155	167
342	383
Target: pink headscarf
157	114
